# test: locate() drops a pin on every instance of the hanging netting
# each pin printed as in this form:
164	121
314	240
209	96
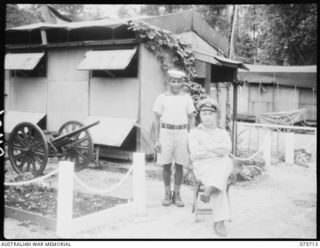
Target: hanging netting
283	118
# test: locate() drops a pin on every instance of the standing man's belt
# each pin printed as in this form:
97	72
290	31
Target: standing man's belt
170	126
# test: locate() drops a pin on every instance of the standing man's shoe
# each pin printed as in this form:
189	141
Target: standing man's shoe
176	199
167	199
220	228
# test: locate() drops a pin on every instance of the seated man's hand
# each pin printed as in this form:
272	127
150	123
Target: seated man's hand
157	147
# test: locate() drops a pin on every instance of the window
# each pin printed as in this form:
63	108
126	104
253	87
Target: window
111	63
26	64
131	71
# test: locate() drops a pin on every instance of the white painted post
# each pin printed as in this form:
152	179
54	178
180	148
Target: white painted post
139	183
315	144
289	148
267	148
65	199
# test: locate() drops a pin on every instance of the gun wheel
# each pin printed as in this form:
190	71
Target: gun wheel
80	150
28	149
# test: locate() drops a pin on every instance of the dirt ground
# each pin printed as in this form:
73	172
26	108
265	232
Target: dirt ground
281	203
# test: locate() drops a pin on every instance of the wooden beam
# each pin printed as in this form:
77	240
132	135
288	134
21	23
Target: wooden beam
44	37
109	152
23	215
75	44
314	129
110	73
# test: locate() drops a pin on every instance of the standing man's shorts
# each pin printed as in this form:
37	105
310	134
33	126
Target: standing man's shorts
174	146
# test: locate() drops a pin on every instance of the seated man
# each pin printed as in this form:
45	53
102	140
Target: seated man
209	147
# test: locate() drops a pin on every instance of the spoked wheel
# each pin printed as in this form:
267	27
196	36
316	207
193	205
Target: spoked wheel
28	149
80	150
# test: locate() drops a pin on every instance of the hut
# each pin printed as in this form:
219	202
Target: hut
277	89
106	70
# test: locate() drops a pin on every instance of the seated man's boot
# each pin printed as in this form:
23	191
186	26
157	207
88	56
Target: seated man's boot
176	199
167	198
205	197
220	228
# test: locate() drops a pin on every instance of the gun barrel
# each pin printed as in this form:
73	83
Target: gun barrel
75	132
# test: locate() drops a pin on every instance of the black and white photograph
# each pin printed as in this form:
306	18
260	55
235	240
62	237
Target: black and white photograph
159	122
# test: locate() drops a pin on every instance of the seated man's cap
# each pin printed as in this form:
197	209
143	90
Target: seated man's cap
208	104
176	74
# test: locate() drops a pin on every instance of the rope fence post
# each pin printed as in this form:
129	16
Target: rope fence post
267	149
289	148
139	183
65	199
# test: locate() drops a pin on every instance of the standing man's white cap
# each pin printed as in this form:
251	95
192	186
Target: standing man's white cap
176	74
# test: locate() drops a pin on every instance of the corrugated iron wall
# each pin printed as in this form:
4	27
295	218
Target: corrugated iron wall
255	99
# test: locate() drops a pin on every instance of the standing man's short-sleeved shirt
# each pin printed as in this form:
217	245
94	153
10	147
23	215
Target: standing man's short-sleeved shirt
174	109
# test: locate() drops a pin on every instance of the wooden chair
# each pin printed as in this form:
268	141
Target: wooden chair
199	187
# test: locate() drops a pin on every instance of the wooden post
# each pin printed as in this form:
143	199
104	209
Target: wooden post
234	127
273	107
139	183
278	141
267	149
315	143
43	37
139	117
89	91
207	83
65	199
289	148
97	161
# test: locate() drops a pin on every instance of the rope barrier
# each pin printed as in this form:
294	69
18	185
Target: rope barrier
103	191
33	180
249	158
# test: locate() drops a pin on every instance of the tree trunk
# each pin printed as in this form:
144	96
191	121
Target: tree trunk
232	29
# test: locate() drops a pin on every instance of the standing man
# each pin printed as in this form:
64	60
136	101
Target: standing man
173	118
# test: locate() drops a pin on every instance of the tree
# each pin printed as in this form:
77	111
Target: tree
16	16
126	11
250	23
277	34
71	11
160	9
293	29
218	16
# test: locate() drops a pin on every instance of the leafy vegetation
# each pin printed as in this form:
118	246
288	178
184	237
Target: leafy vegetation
43	200
277	34
157	41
